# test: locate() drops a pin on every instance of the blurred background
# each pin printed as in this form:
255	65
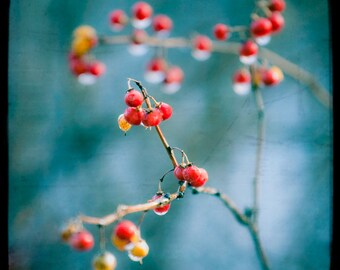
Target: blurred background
67	155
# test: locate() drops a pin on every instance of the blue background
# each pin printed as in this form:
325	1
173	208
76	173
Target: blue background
67	155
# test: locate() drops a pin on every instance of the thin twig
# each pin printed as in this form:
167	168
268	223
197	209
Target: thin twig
242	219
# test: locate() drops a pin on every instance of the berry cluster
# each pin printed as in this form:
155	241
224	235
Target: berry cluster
126	237
137	115
82	240
157	70
82	64
195	176
267	21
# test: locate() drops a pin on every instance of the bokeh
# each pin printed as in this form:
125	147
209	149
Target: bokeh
67	155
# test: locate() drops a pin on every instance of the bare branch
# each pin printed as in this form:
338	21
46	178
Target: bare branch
289	68
242	219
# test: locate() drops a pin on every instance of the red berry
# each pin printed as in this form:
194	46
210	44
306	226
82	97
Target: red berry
125	230
272	76
161	210
178	172
248	48
77	65
242	82
118	19
142	10
277	5
202	47
174	75
242	76
162	23
152	118
133	115
201	180
97	68
133	98
157	64
166	110
221	31
261	27
155	70
82	241
277	21
191	173
202	43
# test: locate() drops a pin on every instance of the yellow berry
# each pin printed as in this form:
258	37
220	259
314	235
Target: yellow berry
123	244
104	261
123	124
68	231
85	31
119	243
278	71
81	46
139	250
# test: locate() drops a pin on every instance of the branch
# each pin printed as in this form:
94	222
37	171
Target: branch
123	210
242	219
293	70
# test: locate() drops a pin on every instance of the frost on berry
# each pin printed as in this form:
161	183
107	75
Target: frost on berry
261	30
162	209
137	46
178	172
141	15
248	52
242	82
133	98
202	47
173	80
133	115
138	251
104	261
162	25
123	124
166	110
201	179
152	118
155	70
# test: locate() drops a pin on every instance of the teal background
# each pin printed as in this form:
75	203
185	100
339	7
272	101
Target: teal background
67	155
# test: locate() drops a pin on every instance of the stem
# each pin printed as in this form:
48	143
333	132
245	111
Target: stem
123	210
257	92
158	129
256	180
237	213
242	219
258	246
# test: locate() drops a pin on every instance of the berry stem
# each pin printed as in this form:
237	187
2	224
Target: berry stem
257	92
256	179
158	129
184	156
102	237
